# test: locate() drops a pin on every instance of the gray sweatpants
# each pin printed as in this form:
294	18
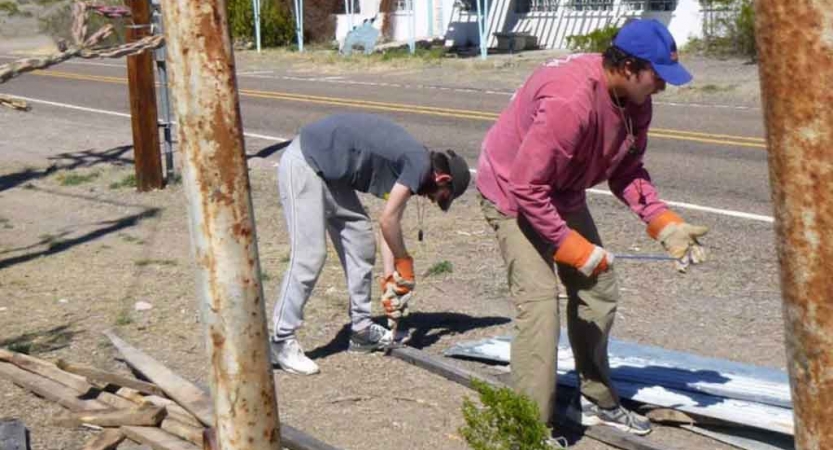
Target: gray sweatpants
314	207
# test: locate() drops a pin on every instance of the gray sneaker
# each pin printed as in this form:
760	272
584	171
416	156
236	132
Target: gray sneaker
618	417
374	337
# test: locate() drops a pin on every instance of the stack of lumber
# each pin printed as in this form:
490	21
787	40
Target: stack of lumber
167	412
121	407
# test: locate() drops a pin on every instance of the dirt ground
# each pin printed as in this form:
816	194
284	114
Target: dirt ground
77	252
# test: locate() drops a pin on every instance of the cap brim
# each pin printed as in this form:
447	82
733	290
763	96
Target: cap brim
674	74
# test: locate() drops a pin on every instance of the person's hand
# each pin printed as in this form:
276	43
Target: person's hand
395	305
403	275
679	239
578	252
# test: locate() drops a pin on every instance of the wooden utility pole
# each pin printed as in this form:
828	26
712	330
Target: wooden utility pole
146	151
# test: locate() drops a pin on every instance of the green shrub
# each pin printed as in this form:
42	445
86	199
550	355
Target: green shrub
728	29
506	421
276	22
596	41
74	179
440	268
9	8
129	181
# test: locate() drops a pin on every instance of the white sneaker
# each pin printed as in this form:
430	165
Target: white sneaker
290	357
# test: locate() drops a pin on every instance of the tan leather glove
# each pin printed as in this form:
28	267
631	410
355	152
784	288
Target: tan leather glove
578	252
679	239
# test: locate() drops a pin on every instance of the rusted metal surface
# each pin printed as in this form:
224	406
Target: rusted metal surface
146	152
795	44
216	183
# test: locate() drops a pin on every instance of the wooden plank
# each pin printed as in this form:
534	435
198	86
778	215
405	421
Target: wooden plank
131	394
93	373
106	440
48	389
189	433
114	401
13	435
183	391
142	416
436	365
46	369
197	401
157	439
442	368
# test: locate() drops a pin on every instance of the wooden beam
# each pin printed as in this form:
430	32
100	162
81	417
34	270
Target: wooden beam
48	389
13	435
174	410
46	369
197	401
114	401
157	439
106	440
142	416
131	394
190	433
438	366
146	151
183	391
442	368
93	373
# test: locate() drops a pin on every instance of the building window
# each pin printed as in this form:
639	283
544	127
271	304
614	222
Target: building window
525	6
342	5
651	5
591	5
402	5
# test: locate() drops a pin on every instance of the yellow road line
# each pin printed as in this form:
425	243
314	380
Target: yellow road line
693	136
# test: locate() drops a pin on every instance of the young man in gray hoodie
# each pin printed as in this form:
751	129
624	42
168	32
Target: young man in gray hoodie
319	176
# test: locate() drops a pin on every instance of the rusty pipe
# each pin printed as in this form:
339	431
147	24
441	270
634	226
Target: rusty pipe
221	219
795	44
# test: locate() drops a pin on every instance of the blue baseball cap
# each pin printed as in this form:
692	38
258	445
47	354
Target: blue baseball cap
650	40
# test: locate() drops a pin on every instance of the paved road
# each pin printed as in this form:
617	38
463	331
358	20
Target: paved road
710	162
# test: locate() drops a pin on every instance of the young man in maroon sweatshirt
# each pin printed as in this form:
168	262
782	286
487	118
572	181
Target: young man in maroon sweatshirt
575	123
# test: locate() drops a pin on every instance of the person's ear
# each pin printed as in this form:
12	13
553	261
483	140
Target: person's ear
442	178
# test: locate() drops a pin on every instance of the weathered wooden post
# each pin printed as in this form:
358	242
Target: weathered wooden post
216	182
796	68
146	152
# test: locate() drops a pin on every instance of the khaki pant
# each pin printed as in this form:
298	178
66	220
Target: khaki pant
533	285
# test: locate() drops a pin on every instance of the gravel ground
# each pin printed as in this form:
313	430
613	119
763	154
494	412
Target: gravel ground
75	257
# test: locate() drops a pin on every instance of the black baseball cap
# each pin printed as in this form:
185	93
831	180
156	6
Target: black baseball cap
460	177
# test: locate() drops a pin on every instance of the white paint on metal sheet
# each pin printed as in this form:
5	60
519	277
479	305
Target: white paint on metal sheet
740	393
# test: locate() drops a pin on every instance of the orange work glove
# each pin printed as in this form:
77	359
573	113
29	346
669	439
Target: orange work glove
679	239
578	252
397	287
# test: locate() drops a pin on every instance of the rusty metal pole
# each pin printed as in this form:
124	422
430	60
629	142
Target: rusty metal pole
146	152
216	182
795	45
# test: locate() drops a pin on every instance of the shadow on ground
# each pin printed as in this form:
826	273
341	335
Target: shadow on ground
40	341
57	245
426	330
68	161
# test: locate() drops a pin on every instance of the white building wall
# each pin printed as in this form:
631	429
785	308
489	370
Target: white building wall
459	28
431	21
